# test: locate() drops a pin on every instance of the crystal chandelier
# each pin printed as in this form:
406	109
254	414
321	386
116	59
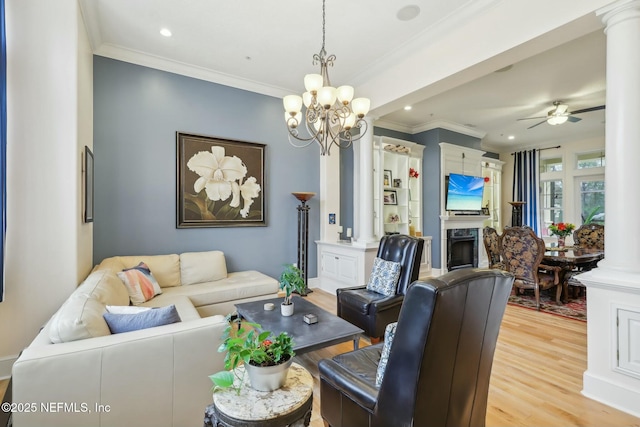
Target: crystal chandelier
331	114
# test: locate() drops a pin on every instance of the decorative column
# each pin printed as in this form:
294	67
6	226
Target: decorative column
613	297
303	236
363	187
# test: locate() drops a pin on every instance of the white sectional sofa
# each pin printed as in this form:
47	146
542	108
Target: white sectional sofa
76	373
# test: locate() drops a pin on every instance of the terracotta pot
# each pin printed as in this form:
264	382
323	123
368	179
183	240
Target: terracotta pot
268	378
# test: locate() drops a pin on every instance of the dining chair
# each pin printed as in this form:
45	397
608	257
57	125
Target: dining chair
434	367
491	240
522	253
589	236
373	309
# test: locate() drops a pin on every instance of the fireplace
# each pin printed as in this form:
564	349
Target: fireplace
462	248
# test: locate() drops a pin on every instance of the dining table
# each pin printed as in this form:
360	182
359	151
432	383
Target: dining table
571	259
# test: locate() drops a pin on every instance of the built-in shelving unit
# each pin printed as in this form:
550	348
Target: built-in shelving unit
397	196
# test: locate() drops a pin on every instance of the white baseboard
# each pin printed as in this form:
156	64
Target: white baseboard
611	394
6	363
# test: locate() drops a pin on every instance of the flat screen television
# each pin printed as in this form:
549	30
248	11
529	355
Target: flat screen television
464	192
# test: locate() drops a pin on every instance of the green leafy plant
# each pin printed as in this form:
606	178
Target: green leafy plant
589	217
291	280
244	343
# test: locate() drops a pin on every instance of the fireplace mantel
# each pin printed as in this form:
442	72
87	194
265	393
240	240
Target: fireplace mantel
449	222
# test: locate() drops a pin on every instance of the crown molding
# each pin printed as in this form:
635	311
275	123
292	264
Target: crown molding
176	67
452	126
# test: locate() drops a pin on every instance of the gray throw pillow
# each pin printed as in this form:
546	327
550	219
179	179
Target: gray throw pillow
119	323
389	334
384	277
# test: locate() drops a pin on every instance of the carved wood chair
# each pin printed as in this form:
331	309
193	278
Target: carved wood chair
522	253
491	240
589	236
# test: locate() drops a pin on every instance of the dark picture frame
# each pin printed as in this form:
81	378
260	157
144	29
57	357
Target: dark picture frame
387	178
88	185
389	197
211	195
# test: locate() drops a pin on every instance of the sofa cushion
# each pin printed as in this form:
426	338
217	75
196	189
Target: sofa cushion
140	283
200	267
238	285
80	316
119	323
165	268
183	304
126	309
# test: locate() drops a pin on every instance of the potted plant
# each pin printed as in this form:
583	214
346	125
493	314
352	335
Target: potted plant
266	358
291	280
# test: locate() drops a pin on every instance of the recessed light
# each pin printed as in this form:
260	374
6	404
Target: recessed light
511	137
165	32
408	13
407	107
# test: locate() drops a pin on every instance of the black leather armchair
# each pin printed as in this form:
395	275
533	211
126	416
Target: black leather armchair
440	362
370	310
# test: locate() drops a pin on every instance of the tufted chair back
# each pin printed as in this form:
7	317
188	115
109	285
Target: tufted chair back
491	240
589	236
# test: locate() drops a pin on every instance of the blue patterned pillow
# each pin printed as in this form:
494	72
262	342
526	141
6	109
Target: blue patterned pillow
389	333
384	277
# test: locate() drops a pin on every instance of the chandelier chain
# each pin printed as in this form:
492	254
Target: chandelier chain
323	23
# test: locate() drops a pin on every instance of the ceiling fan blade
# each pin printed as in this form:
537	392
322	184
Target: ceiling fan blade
544	121
531	118
586	110
573	119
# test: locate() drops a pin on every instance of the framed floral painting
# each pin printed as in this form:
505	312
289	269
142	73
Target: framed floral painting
220	182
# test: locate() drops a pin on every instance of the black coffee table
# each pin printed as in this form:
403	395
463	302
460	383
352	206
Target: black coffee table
329	330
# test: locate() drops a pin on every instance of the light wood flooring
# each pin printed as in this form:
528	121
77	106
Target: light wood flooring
536	378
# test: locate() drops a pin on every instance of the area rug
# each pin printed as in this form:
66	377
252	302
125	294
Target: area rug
576	308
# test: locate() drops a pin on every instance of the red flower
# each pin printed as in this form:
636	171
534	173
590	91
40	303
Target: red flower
413	173
486	179
266	343
561	226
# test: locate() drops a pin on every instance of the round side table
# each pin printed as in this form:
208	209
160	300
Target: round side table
290	405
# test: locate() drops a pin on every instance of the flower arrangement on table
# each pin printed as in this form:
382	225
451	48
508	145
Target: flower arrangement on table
250	346
413	173
562	230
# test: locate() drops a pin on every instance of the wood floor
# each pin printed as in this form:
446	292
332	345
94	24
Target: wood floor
536	378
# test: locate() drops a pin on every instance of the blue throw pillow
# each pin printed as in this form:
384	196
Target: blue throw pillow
384	277
119	323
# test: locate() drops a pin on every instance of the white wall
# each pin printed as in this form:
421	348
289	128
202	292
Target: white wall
567	151
49	114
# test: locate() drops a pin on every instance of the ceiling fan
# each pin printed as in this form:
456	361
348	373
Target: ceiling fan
560	114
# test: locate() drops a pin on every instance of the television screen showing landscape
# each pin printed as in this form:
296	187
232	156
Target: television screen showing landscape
464	193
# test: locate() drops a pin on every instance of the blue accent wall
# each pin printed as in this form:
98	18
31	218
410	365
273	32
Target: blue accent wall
137	112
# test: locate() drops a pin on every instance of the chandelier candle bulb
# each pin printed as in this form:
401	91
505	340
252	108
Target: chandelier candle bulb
345	94
361	106
292	104
313	83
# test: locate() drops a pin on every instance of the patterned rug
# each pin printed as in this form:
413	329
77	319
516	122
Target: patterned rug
576	308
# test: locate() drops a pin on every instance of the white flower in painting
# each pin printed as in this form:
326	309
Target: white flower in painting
217	173
249	190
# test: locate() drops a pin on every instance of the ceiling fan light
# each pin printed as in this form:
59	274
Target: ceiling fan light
557	120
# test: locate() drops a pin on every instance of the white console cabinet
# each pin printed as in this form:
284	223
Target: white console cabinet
342	265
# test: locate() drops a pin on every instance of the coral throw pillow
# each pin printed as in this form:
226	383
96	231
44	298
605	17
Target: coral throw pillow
140	283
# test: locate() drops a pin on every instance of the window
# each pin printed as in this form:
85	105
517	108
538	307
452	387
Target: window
551	165
591	198
550	203
591	160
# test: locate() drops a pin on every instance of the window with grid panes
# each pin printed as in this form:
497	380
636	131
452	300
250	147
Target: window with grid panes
550	204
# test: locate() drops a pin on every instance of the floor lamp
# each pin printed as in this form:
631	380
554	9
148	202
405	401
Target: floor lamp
303	236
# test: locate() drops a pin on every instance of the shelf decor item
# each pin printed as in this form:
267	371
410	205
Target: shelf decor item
390	197
387	178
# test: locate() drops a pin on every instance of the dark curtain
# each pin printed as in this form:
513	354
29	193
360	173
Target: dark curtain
3	143
526	186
